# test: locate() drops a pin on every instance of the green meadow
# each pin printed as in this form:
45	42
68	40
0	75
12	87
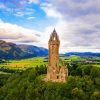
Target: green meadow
24	63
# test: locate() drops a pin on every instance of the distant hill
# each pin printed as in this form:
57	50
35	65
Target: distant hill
82	54
38	51
13	51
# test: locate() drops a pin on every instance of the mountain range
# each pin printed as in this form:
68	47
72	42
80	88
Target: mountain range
38	51
10	50
82	54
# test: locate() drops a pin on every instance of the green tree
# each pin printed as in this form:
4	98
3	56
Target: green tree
78	94
95	96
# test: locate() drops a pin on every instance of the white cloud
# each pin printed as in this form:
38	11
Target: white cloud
1	21
34	1
20	13
23	2
77	24
2	6
50	10
31	18
76	35
17	34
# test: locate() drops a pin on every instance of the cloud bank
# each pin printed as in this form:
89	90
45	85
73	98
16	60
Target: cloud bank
17	34
79	24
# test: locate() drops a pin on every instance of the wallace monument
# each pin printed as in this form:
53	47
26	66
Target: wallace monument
55	73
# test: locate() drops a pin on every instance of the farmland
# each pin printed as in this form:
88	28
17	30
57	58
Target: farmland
24	64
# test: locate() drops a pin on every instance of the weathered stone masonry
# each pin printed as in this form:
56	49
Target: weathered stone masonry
54	72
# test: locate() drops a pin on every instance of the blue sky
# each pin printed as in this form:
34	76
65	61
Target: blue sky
24	13
31	22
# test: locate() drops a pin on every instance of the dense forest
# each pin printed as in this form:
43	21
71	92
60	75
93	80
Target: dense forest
83	83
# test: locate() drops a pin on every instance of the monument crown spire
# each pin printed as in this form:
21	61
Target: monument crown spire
54	36
54	30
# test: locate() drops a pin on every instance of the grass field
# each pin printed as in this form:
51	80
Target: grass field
3	73
95	61
37	61
96	65
25	63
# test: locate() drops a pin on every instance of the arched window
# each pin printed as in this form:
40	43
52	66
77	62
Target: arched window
54	38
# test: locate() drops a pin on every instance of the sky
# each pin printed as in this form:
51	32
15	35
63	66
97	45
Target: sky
31	22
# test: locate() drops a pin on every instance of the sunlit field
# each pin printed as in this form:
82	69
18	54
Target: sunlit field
38	61
24	63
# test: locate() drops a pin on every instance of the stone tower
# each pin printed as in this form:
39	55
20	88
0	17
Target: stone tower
54	72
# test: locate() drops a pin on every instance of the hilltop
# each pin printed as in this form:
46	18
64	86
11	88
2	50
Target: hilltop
39	51
10	50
